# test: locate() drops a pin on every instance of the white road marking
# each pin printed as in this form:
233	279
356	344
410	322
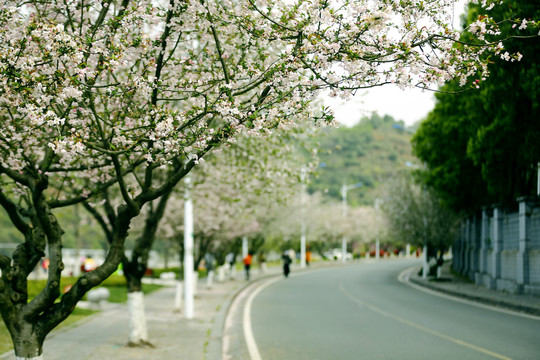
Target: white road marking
248	333
229	324
421	327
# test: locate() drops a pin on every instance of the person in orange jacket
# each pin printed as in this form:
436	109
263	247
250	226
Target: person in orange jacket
247	263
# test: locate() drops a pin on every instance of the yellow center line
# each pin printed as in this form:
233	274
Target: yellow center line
420	327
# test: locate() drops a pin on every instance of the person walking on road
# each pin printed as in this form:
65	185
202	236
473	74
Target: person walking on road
247	263
209	265
229	259
286	263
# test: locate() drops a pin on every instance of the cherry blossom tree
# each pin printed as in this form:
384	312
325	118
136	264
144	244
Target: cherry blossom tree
323	222
96	94
417	216
229	186
233	190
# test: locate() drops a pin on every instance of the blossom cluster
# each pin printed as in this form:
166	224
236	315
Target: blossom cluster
154	80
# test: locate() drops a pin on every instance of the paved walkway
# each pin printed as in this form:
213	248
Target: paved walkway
456	286
104	335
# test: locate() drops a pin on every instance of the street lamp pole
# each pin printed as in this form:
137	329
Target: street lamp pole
538	181
303	224
188	252
378	203
344	189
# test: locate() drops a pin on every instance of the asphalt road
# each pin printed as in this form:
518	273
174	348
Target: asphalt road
363	312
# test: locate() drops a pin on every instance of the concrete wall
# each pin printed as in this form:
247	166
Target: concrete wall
501	250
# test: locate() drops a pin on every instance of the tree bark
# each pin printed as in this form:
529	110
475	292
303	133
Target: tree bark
134	271
30	322
27	343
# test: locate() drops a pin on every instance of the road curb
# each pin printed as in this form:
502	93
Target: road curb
496	301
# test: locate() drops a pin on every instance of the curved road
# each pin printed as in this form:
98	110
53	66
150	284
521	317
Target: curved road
362	311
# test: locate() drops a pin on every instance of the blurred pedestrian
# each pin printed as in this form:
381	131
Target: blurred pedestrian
209	265
262	262
286	263
247	263
89	264
45	264
229	260
308	257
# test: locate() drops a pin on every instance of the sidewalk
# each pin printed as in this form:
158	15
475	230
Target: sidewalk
104	335
456	286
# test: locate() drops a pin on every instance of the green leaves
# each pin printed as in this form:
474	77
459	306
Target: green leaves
481	145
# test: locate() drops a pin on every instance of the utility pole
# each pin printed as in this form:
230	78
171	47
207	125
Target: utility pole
538	181
303	219
378	240
344	190
188	252
245	247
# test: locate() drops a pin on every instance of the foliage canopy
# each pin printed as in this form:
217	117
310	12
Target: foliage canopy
481	146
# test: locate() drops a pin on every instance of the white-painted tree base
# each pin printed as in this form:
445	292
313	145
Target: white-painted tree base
221	273
210	279
195	282
178	296
40	357
138	332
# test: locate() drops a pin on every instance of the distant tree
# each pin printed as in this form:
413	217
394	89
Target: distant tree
368	152
441	142
418	217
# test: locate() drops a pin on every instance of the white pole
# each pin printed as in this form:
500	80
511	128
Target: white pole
407	250
303	246
188	252
303	225
538	181
245	247
377	241
344	205
425	268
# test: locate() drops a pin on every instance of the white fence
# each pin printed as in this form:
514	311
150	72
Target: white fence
501	250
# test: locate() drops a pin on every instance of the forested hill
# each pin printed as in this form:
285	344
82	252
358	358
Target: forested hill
370	152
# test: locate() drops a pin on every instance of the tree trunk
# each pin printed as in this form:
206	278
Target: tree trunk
27	344
138	331
134	270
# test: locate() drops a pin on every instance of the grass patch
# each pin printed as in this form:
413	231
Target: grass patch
5	339
115	283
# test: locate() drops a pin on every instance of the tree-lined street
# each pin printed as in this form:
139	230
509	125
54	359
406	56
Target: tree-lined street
114	106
